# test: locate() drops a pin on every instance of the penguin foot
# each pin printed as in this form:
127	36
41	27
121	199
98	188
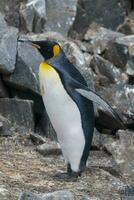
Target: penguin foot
67	177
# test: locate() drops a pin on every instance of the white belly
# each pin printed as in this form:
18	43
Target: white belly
65	118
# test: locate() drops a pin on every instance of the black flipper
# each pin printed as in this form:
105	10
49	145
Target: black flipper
91	95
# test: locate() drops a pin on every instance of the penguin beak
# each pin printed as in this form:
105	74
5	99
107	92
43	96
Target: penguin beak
32	43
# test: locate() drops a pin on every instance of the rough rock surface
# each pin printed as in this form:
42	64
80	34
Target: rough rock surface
88	11
122	152
58	195
120	50
25	75
56	9
8	47
33	15
98	39
6	127
18	112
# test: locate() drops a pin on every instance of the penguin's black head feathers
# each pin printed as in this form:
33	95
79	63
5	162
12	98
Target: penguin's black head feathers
47	48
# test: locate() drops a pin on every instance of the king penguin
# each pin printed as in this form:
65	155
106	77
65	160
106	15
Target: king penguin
69	105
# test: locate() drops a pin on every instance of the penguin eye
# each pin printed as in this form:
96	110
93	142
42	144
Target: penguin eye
56	49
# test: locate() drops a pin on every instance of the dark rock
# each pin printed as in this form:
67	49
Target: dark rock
8	47
98	39
118	53
102	67
19	112
88	11
60	15
37	139
33	15
58	195
6	128
48	149
3	91
25	75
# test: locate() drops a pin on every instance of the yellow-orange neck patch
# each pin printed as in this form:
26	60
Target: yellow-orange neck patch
56	50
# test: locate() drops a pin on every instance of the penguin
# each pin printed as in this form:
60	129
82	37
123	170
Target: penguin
69	105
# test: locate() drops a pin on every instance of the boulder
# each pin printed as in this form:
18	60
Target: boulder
118	53
60	15
102	67
6	128
127	27
98	39
18	111
88	11
25	76
33	15
11	11
8	47
48	149
122	150
58	195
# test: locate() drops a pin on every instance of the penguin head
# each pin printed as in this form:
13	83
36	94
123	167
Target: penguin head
47	48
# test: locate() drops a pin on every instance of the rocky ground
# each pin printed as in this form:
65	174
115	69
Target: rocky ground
98	38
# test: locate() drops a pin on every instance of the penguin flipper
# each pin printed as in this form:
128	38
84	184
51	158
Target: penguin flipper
91	95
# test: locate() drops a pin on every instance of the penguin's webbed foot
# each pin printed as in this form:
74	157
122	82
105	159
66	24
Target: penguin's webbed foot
67	176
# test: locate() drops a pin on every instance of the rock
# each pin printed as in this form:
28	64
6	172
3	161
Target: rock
3	91
90	198
58	195
127	27
102	67
122	98
122	150
60	15
37	139
8	47
29	196
11	11
25	76
96	142
88	11
50	35
6	128
76	57
101	160
4	193
48	149
98	39
118	53
33	15
127	193
130	63
19	112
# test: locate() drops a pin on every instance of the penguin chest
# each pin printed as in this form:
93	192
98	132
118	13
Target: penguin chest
64	115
